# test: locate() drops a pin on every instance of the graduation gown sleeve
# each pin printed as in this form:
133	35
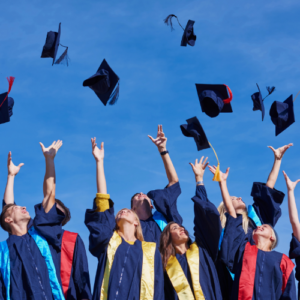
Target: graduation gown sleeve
207	222
165	202
234	242
101	227
267	203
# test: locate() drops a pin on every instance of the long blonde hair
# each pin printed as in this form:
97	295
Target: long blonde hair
222	211
138	229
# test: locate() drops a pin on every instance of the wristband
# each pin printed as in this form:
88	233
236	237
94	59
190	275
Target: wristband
199	182
164	152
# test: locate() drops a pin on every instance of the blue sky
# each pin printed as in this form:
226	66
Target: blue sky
239	43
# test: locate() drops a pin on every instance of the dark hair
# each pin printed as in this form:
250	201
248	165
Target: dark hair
166	247
131	201
66	212
4	214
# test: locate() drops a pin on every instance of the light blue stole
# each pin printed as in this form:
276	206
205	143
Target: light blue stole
160	220
43	246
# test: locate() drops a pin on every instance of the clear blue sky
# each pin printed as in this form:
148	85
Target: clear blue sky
239	43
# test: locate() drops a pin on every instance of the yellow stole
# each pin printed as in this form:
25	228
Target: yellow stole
147	280
178	278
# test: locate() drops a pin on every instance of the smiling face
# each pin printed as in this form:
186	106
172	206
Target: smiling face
178	234
264	232
238	204
126	215
141	201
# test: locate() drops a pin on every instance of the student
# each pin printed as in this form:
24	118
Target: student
190	271
28	266
264	210
260	273
74	270
128	267
164	200
294	219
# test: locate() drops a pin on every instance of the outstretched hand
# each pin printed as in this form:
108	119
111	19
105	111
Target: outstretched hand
98	153
161	140
51	151
12	169
222	175
290	184
278	153
199	168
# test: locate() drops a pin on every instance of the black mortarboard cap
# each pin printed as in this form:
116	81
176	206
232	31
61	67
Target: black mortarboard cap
6	103
214	99
51	46
188	36
105	84
282	114
258	103
194	129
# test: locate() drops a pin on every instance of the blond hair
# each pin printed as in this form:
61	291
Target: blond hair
138	229
222	210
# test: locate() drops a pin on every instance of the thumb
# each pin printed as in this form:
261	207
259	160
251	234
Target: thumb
297	181
151	138
227	171
20	165
191	165
271	148
42	146
102	145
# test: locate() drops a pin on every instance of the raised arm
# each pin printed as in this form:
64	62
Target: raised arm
278	154
224	191
49	179
161	144
293	212
99	157
12	172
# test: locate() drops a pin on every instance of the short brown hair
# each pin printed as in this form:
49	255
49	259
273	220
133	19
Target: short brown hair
66	212
5	226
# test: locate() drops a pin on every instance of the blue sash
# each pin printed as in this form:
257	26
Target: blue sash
253	216
45	251
160	220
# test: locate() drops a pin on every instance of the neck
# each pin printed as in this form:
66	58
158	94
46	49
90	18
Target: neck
144	213
261	244
181	249
19	229
126	231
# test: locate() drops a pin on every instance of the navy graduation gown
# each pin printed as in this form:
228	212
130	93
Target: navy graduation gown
207	231
29	277
295	254
258	274
126	271
266	203
165	202
49	226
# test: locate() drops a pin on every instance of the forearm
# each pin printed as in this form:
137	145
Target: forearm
274	174
9	190
49	185
101	181
227	199
293	214
169	167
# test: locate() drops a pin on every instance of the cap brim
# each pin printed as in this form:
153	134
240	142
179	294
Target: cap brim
57	43
291	115
184	39
4	113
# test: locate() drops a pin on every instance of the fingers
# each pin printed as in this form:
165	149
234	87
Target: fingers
298	180
201	159
212	169
285	176
102	146
58	144
42	146
227	171
152	139
205	161
205	165
271	148
192	165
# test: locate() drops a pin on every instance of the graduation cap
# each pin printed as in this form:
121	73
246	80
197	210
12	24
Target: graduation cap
258	101
51	46
194	129
6	103
214	98
105	84
188	36
282	114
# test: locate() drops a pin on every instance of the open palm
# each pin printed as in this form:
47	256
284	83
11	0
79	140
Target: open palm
12	169
223	176
161	140
279	152
290	184
51	151
98	153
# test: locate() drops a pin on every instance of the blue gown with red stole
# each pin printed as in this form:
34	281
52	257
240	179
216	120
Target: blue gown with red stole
126	270
258	274
207	231
264	210
295	254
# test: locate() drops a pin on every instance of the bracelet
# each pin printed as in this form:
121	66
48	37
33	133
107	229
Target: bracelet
199	182
164	152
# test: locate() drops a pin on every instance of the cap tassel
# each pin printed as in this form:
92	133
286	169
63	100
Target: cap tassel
296	96
270	91
228	100
168	21
10	80
115	95
64	58
217	176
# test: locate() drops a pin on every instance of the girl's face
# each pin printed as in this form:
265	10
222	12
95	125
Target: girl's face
178	234
264	231
238	204
126	215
